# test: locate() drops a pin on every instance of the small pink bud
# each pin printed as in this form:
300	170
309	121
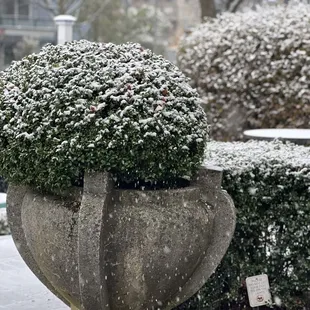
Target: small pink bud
164	92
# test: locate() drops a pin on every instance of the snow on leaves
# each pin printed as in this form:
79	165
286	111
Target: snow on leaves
254	64
269	183
98	106
262	157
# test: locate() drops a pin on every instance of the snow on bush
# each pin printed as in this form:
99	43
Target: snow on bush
92	106
4	226
252	68
3	185
270	186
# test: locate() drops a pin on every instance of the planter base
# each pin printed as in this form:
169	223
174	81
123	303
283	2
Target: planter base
111	249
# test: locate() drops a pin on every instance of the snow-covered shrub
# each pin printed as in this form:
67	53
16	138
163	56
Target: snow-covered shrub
270	185
3	185
4	226
93	106
252	69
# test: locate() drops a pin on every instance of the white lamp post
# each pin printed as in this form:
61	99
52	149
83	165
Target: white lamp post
64	25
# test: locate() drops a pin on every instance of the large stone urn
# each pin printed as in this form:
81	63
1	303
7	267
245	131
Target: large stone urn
98	247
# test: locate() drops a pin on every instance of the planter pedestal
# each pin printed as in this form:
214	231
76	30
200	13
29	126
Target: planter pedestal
100	248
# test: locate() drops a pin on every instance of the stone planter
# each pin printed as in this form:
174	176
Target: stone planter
101	248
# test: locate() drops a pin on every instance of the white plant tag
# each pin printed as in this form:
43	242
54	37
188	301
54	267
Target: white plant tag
258	290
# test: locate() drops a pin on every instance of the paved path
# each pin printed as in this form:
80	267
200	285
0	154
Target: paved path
19	288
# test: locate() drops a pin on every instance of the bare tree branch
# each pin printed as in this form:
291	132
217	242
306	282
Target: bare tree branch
70	7
227	4
46	5
75	6
207	8
98	12
235	6
69	4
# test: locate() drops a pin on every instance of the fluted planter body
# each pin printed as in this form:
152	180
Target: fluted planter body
102	248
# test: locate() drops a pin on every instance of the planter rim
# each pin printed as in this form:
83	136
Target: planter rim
78	190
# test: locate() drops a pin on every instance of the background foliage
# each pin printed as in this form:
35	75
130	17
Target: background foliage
270	185
252	69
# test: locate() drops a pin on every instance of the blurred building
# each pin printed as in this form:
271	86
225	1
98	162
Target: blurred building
20	19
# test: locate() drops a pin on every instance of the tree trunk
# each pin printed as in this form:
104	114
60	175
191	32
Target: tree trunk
233	5
207	8
61	7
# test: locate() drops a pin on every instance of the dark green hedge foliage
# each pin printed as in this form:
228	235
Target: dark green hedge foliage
3	185
94	106
270	185
4	227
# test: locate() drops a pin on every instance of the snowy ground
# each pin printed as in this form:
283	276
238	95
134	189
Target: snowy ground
19	288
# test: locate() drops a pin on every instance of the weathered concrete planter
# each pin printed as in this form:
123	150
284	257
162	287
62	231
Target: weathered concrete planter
123	249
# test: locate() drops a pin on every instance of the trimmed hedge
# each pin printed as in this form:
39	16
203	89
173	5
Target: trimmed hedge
252	69
103	107
3	185
270	185
4	226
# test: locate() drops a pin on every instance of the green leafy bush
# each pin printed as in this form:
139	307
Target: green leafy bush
270	185
252	69
4	226
3	185
95	106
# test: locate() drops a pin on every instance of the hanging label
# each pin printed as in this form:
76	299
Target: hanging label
258	290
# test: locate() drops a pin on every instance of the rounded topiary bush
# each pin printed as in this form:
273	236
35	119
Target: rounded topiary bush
252	69
92	106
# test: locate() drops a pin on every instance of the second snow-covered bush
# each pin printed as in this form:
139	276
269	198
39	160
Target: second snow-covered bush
4	226
252	68
269	183
103	107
